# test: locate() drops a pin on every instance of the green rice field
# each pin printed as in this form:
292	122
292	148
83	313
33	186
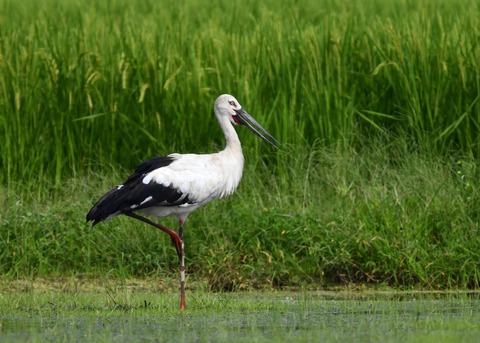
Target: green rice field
362	226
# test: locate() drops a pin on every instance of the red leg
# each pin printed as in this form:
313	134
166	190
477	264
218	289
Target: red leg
177	242
182	267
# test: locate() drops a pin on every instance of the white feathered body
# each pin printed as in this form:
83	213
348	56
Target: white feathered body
202	178
177	184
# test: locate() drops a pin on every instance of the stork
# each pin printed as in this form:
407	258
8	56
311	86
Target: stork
177	184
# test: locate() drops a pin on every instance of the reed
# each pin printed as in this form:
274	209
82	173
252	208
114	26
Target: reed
84	84
375	102
381	215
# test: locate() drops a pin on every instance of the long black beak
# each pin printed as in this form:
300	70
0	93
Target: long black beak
246	119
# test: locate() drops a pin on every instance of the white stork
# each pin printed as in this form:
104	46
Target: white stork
177	184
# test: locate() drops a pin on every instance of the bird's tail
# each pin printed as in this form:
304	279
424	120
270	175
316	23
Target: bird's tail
106	207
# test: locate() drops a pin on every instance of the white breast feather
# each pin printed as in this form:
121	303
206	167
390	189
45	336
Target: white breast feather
202	177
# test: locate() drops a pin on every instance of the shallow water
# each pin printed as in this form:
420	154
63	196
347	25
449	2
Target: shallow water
297	318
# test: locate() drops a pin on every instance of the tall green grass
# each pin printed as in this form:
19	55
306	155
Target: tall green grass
83	84
375	102
381	215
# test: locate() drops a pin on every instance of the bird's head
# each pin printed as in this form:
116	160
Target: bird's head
227	105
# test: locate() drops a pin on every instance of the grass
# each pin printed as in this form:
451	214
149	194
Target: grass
131	313
76	79
375	102
381	215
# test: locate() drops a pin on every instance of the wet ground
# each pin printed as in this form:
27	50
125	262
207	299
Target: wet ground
297	318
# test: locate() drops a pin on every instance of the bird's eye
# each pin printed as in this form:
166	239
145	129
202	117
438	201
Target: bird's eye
232	103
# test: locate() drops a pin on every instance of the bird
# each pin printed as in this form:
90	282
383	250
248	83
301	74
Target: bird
175	185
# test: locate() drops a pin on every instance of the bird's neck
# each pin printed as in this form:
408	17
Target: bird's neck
231	136
232	159
233	143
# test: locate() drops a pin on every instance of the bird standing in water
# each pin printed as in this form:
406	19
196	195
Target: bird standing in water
177	184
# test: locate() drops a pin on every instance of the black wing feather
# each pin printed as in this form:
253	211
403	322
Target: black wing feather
133	192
